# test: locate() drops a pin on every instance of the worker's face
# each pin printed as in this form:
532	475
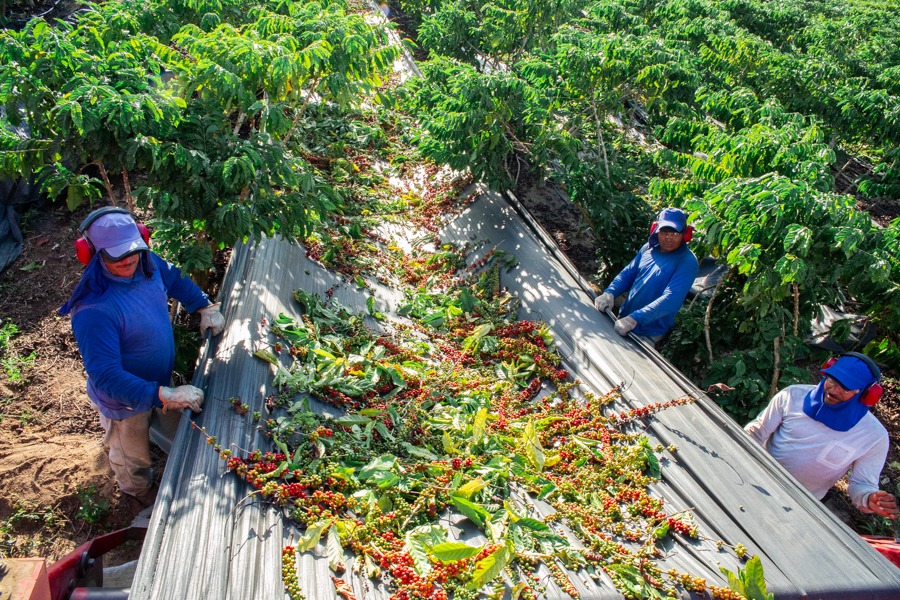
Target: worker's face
835	393
669	239
124	267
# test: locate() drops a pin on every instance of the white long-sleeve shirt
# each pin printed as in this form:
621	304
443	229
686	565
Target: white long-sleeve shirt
816	455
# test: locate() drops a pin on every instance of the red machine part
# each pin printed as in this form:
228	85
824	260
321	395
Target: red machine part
84	565
887	546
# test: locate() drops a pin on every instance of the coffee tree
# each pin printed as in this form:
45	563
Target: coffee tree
206	113
743	104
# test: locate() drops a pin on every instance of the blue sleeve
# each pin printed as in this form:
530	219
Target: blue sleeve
97	334
625	279
180	287
672	297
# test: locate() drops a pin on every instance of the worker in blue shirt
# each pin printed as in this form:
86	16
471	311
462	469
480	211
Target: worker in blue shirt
120	318
656	281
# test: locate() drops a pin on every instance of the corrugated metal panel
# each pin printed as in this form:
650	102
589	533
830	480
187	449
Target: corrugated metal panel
206	540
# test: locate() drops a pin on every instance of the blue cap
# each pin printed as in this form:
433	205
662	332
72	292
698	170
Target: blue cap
851	372
116	235
672	217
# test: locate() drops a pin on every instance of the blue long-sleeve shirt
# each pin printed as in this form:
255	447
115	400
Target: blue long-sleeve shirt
657	283
124	334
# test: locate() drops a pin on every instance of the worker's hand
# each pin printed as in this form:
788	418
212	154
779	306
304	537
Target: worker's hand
184	396
883	503
211	318
604	301
624	325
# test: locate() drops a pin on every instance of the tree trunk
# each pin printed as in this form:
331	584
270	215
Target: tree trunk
776	371
708	315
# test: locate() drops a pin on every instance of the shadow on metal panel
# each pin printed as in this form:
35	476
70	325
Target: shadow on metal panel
208	539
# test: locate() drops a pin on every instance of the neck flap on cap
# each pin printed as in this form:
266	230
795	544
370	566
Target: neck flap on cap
96	279
840	417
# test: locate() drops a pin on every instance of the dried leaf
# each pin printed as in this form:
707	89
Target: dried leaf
342	589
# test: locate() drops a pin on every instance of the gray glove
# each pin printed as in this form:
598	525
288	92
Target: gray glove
624	325
211	318
604	302
184	396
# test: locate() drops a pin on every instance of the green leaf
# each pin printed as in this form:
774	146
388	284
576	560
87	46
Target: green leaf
372	570
350	420
74	198
382	430
532	524
381	464
471	488
335	551
490	567
467	301
479	425
632	580
754	580
453	551
420	452
282	447
385	480
449	446
798	239
650	460
661	531
313	534
472	343
546	491
791	268
77	118
841	330
417	542
532	445
395	416
475	512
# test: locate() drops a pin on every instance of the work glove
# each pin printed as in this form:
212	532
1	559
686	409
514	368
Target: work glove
211	318
184	396
604	301
624	325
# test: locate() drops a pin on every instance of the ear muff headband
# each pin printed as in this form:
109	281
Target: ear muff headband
84	249
874	391
686	236
106	210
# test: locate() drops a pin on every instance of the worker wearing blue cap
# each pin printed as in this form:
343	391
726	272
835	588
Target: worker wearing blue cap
656	281
120	318
820	432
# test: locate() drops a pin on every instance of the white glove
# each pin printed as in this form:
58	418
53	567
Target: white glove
624	325
211	318
604	301
184	396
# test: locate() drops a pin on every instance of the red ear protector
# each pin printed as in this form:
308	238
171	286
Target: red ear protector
871	394
687	234
84	249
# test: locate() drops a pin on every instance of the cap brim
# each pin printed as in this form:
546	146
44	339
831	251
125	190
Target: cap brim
849	378
670	224
125	249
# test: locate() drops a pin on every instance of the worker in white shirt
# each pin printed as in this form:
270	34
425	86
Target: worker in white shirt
820	432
